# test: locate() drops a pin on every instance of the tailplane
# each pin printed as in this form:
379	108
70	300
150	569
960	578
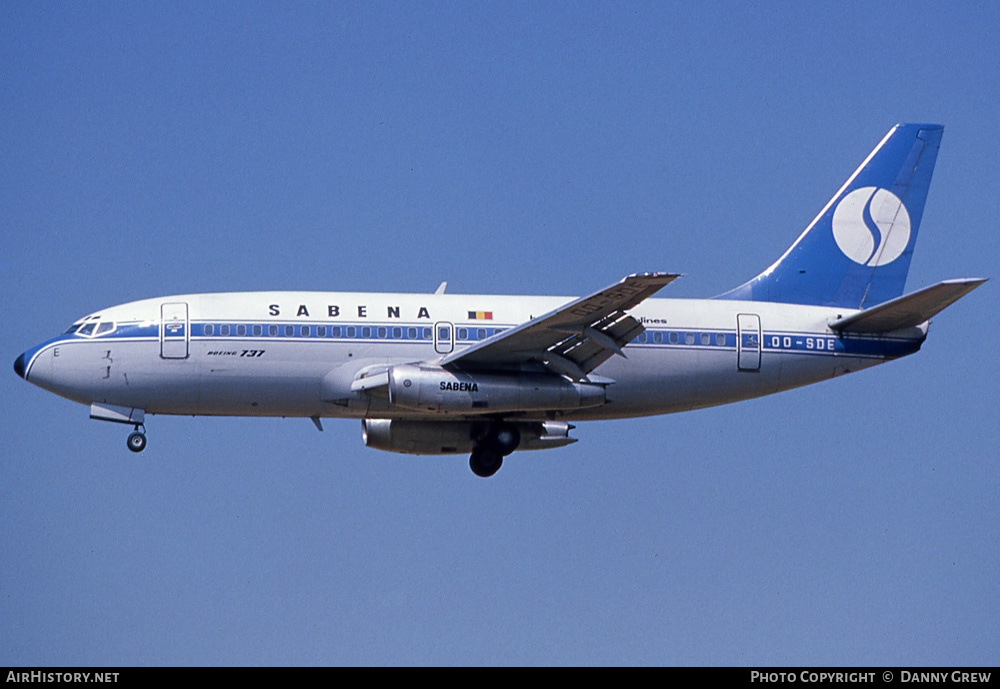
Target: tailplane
857	251
906	312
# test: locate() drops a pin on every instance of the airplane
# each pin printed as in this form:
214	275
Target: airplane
488	375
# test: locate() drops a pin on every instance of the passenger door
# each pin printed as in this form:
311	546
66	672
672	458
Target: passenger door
174	331
748	342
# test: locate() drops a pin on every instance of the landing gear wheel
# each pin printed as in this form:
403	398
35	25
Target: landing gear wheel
503	437
485	462
137	441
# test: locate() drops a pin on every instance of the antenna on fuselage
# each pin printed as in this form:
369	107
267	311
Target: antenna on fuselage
441	288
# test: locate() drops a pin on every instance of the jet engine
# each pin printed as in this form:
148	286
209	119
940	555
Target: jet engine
461	437
432	388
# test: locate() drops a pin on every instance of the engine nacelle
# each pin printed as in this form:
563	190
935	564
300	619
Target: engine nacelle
431	388
456	437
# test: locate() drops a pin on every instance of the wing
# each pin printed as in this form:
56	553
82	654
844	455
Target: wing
574	339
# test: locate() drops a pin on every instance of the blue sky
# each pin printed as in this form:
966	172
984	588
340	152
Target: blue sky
542	148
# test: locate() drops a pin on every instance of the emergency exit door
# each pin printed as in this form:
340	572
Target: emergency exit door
444	337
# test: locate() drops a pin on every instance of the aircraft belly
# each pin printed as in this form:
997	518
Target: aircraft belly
665	381
276	379
650	382
135	375
126	373
295	379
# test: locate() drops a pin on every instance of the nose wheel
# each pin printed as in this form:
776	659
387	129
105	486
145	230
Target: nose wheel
137	440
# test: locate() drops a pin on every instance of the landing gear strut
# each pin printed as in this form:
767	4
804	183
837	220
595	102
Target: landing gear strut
137	439
499	440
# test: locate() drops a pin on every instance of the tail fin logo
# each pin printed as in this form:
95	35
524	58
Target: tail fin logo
871	226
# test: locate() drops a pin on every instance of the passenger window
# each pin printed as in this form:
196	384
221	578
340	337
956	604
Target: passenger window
463	333
480	333
304	331
720	339
351	331
336	331
411	333
397	333
272	330
689	338
658	337
289	331
241	331
366	331
706	339
320	331
209	329
673	338
381	333
224	330
258	330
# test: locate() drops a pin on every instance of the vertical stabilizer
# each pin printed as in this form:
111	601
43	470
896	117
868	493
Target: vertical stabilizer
857	251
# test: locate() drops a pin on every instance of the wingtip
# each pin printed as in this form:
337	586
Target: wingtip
972	283
656	275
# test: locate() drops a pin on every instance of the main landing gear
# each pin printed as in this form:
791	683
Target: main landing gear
137	439
485	462
499	440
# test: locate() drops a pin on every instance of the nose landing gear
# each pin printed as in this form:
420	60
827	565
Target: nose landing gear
137	439
131	415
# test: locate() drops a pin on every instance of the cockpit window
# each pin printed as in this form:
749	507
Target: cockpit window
91	327
84	324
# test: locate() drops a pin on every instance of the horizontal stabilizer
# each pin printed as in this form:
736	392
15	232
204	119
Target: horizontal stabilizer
909	310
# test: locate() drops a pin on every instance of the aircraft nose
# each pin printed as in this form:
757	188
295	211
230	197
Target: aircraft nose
19	366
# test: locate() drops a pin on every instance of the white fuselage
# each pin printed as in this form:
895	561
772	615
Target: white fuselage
298	353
